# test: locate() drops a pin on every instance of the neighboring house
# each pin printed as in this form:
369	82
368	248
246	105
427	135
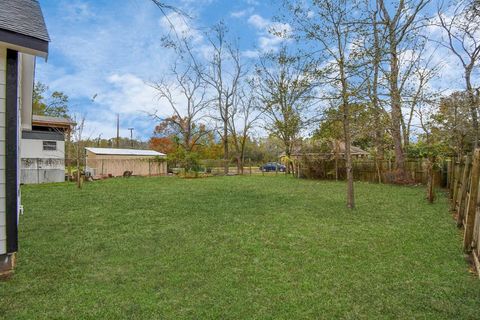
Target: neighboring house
43	150
23	36
104	162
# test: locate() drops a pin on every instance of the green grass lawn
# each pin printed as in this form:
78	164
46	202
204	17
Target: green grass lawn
263	247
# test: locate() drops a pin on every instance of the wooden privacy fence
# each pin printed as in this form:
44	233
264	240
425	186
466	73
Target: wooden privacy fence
464	188
368	170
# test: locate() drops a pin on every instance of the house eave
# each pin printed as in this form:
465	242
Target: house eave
23	43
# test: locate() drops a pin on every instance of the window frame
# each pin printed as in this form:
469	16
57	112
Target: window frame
49	145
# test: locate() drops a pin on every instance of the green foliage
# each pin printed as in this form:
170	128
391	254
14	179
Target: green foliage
236	248
453	123
182	158
56	105
361	125
422	149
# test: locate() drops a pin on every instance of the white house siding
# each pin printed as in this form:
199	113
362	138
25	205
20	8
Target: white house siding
33	148
3	65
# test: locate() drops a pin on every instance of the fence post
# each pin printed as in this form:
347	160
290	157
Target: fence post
453	177
456	184
472	202
449	174
462	196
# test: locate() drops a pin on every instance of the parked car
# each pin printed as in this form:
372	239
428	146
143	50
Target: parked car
272	166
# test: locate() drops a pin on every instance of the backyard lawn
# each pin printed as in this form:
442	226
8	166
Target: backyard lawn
264	247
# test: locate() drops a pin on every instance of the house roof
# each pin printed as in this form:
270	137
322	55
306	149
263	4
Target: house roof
51	121
353	150
125	152
22	25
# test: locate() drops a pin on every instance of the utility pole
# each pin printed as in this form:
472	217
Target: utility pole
131	135
118	130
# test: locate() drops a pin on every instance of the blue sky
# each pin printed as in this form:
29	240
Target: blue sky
112	48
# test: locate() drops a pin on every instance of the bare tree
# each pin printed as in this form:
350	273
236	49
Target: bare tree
285	86
374	49
78	145
244	116
462	37
400	21
222	72
186	96
426	116
415	88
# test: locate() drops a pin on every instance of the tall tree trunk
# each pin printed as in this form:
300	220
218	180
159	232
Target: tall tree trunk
379	155
226	157
431	180
348	156
405	133
288	154
473	106
347	134
396	112
239	165
377	110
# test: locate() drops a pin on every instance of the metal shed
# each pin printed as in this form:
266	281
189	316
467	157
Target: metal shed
102	162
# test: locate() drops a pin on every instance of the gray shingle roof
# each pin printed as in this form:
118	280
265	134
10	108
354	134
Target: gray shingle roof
23	17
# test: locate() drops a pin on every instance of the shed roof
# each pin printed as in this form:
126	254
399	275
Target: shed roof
125	152
22	24
53	121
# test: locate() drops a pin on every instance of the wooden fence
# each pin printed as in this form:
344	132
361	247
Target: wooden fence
368	170
464	176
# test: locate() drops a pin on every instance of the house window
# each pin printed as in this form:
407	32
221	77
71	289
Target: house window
49	145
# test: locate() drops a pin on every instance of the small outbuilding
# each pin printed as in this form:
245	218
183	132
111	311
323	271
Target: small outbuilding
104	162
43	150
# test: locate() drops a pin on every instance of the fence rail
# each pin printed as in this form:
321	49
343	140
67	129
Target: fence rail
464	188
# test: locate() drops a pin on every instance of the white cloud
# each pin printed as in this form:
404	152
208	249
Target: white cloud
129	94
258	22
240	13
267	43
252	54
76	10
271	34
253	2
181	25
